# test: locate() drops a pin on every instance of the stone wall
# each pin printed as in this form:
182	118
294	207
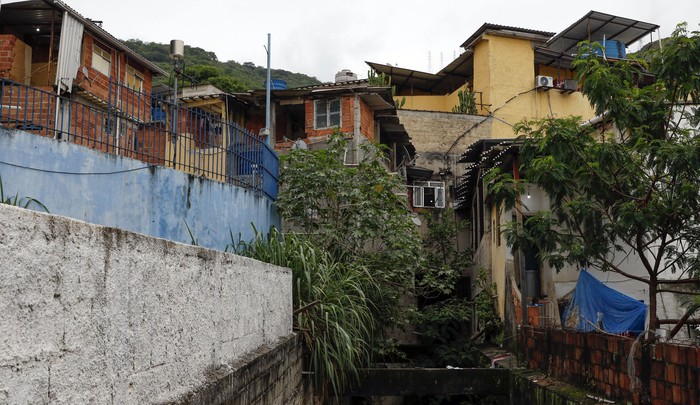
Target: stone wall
92	314
440	135
269	376
665	373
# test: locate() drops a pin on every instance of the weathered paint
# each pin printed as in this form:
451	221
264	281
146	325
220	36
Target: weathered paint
155	201
92	314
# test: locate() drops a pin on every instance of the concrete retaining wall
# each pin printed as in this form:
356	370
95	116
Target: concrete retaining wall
91	314
268	376
95	187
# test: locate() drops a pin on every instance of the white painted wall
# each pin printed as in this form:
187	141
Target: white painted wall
90	314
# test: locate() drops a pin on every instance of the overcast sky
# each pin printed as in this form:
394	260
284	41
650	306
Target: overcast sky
321	37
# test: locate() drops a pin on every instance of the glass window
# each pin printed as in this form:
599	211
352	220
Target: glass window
101	60
134	78
429	194
327	113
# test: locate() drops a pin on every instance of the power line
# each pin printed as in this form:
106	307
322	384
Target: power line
77	173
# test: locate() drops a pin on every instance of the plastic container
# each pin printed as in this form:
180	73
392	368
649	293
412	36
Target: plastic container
276	84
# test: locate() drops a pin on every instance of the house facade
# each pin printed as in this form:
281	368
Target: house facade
306	116
65	79
513	74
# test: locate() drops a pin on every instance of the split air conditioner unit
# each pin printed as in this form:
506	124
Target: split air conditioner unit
544	81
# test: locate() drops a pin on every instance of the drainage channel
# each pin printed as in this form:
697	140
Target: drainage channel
438	386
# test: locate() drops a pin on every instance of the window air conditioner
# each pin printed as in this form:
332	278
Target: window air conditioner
544	81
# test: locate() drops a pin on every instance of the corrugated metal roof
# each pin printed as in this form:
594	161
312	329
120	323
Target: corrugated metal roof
595	26
505	28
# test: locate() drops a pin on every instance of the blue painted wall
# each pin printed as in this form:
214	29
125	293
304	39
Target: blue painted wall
85	184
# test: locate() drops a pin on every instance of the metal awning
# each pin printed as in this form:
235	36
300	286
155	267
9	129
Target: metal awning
482	156
408	81
595	26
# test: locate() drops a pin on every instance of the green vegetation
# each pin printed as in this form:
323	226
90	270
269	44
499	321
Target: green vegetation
629	187
466	103
356	255
383	79
204	67
17	201
333	311
353	212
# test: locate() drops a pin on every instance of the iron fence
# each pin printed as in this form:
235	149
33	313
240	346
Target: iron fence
151	128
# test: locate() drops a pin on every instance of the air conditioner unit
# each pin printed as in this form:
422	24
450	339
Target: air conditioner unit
544	81
571	85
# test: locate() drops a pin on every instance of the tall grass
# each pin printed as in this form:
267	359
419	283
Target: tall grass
17	201
332	309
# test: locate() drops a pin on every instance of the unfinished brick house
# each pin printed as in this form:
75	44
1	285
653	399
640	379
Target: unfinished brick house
361	111
57	52
64	77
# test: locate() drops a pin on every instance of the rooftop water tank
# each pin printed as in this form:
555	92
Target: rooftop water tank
345	75
276	84
613	49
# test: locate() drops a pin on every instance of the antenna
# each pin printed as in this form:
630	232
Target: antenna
430	65
177	52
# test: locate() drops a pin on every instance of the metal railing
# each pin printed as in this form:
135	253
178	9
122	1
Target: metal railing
126	122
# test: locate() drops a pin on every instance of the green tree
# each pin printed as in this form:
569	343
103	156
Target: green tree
629	188
353	212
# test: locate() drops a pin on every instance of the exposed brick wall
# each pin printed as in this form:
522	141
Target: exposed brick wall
671	375
98	84
346	118
272	376
366	121
7	55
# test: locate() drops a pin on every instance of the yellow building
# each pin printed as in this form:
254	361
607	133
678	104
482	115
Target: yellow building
514	74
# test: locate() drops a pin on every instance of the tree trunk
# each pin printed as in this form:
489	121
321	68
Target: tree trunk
653	318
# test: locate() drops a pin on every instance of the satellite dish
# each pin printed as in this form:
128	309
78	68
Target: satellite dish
416	220
300	144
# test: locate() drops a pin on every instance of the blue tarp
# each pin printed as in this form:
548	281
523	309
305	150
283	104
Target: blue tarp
594	303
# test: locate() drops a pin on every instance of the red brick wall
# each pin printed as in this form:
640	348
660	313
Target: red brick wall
346	118
366	121
7	57
98	83
600	361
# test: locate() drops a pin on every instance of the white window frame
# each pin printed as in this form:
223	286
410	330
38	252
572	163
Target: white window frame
323	111
101	60
134	78
437	188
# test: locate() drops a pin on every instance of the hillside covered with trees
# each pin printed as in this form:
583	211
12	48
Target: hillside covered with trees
203	66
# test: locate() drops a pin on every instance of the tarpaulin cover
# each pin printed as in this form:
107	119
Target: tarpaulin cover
594	303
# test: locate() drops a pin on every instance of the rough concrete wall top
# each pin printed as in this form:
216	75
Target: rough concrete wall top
91	314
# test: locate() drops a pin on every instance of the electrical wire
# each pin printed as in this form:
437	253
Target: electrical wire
78	173
489	116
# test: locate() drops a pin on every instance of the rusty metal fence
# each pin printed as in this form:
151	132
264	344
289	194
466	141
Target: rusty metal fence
146	127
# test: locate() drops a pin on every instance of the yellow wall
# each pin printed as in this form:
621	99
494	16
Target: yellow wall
503	68
442	103
206	162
